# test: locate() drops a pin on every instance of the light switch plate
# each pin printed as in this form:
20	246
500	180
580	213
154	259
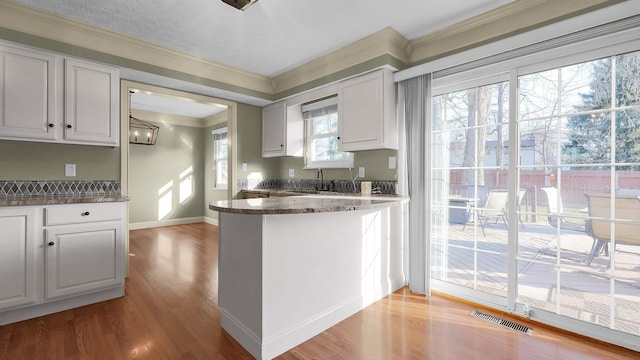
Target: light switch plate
361	172
244	166
69	169
392	162
291	173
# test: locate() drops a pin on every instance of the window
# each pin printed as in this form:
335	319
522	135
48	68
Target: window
220	157
322	136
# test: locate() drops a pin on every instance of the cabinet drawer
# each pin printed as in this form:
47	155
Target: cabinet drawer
82	213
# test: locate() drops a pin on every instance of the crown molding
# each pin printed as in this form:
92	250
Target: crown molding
168	119
385	48
384	42
64	31
508	20
213	120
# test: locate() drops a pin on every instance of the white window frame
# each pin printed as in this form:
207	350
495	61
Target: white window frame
310	135
218	159
554	57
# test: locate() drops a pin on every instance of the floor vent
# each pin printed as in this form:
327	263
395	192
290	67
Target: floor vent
502	322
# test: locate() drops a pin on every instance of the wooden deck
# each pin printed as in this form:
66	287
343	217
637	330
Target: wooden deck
552	273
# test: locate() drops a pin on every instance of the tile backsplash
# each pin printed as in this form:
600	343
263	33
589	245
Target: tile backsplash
345	186
24	188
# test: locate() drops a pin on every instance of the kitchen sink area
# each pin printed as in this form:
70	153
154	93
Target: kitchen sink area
282	188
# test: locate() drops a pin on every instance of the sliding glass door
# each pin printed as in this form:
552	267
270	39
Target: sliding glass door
583	121
535	192
469	182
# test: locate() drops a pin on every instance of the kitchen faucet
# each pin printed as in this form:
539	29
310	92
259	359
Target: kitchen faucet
320	175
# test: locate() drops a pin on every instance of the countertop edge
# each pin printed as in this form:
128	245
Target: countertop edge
59	200
297	205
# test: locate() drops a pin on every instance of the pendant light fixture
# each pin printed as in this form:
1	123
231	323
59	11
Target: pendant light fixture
240	4
140	131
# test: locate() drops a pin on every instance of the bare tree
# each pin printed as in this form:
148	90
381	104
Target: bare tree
479	107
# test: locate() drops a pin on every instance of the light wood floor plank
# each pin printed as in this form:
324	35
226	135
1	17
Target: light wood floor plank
170	312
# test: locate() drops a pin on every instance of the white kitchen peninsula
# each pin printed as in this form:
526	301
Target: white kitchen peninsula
291	267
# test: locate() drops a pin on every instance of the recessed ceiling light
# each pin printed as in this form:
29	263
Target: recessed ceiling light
240	4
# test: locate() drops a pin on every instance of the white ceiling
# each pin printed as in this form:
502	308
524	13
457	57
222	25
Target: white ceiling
269	38
174	106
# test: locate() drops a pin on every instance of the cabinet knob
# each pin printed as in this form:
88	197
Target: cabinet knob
51	125
338	137
281	145
51	243
86	213
69	126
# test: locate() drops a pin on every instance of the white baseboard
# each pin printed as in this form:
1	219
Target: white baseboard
279	343
247	338
30	312
152	224
210	220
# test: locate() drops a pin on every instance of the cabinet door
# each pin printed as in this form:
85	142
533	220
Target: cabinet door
17	258
366	112
27	94
282	130
82	259
273	129
91	103
360	112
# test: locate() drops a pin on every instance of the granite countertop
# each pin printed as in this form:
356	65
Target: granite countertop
298	192
306	204
58	200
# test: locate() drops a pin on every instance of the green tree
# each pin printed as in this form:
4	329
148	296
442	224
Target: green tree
591	133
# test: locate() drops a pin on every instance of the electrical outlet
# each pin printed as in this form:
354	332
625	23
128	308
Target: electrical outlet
69	169
392	162
361	172
291	173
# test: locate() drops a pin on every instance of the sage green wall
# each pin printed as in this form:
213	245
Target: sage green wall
249	149
152	168
45	161
375	162
210	192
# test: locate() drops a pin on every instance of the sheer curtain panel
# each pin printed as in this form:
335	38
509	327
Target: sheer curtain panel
414	109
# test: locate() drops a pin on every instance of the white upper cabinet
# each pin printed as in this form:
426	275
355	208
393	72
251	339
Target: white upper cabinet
367	112
282	130
48	98
27	94
91	103
273	128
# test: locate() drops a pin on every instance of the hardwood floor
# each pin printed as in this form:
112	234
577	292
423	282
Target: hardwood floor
170	312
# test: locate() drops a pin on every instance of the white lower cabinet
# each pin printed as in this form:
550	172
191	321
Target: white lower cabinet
83	258
18	258
59	257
